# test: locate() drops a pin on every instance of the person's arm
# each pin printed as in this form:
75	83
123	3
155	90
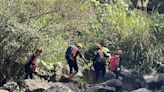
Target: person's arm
82	55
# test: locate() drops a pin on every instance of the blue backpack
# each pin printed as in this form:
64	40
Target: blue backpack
69	52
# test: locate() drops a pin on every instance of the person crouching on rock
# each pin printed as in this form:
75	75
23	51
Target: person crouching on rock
30	66
71	54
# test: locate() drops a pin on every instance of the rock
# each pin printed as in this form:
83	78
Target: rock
133	81
1	90
123	91
157	84
64	79
161	77
114	83
73	87
154	85
58	70
11	86
89	75
59	87
33	85
141	90
162	88
109	74
101	89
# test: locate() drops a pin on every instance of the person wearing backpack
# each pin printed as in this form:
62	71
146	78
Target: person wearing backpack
99	62
30	66
114	64
71	54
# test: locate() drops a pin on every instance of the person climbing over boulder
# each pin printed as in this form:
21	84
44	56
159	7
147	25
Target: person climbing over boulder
115	63
71	54
99	63
30	65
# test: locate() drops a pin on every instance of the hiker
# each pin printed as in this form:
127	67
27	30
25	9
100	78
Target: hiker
30	66
115	64
71	54
99	62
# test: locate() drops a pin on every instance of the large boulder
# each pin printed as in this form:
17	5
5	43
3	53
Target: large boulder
1	90
89	75
157	84
161	78
59	87
114	83
141	90
34	85
133	81
162	88
11	86
101	89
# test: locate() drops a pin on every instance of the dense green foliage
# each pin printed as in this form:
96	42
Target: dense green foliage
53	24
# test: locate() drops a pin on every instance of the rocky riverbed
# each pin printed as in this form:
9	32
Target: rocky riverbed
129	83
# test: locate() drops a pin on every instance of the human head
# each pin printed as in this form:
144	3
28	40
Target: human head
98	46
38	52
119	52
79	45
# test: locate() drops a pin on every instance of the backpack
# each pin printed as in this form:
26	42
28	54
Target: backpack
114	62
71	52
99	57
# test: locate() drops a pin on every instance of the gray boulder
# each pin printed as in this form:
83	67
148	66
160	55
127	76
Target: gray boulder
101	89
1	90
141	90
114	83
161	78
59	87
89	75
162	88
133	81
157	84
11	86
33	85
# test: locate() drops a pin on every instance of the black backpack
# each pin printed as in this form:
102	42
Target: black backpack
97	58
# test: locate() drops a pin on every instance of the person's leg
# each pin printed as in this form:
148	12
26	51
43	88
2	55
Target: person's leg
70	66
103	70
26	70
97	71
31	75
26	75
117	74
75	67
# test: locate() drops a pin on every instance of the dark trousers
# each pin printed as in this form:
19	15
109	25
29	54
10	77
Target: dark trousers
72	65
117	74
28	72
29	75
99	70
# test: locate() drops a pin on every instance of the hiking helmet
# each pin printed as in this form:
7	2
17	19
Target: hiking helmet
79	45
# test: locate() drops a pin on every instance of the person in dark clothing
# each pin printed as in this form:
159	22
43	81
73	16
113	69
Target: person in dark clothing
30	66
71	54
99	62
